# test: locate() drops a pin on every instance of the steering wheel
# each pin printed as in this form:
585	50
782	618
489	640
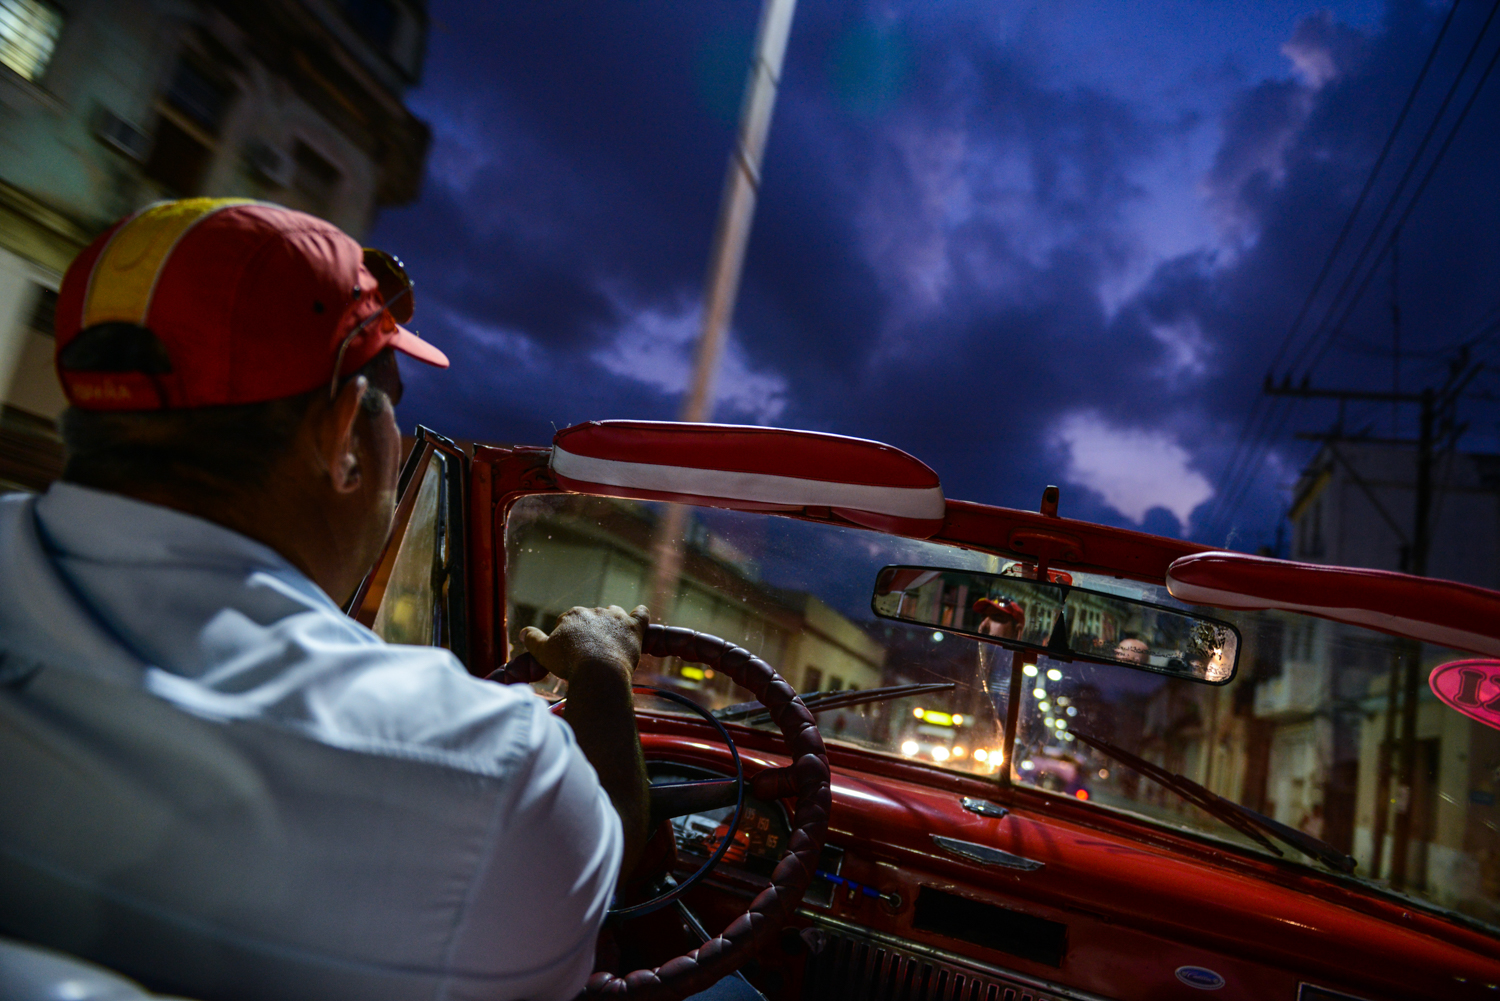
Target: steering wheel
806	778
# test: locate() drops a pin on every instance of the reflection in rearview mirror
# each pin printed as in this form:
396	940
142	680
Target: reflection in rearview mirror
1060	620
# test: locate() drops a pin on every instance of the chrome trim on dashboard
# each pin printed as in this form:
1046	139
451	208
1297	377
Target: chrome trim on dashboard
944	965
1312	992
984	854
983	807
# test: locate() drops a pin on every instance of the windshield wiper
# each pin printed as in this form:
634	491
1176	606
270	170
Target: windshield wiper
818	702
1243	819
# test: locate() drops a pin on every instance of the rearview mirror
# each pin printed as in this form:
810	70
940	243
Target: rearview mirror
1060	620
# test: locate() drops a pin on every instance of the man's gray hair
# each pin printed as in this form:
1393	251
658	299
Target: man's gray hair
218	450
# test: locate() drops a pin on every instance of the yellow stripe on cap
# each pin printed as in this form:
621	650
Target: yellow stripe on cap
125	275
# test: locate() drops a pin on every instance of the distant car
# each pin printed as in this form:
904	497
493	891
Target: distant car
1058	772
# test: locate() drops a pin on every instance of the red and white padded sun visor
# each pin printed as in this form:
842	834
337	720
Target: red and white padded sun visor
1434	611
752	468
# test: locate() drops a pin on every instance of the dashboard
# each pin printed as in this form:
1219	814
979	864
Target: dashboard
924	886
758	841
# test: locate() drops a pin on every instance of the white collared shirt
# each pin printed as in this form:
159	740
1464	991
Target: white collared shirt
214	781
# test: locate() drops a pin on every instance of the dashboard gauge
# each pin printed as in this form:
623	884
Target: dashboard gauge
759	841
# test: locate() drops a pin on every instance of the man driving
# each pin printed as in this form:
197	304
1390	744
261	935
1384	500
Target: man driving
213	780
1000	617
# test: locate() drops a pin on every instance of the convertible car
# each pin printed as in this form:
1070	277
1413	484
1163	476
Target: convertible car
909	747
903	746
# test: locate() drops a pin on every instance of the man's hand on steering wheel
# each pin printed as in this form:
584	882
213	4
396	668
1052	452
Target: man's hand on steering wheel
596	650
608	635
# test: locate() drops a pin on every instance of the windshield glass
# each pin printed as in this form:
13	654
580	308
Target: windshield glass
796	594
1310	733
1305	732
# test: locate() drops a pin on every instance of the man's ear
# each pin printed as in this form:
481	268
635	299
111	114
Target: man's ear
338	440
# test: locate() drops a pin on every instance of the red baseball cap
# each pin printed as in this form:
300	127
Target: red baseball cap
996	608
252	301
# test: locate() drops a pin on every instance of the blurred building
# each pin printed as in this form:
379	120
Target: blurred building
605	559
1320	743
109	105
1355	506
1309	732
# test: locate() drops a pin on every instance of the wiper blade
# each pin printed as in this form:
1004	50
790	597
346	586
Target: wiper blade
1182	786
818	702
1243	819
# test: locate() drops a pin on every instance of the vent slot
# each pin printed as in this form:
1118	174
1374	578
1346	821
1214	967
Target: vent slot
1023	935
851	964
1307	992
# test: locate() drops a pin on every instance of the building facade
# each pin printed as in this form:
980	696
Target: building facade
607	559
109	105
1311	731
1355	506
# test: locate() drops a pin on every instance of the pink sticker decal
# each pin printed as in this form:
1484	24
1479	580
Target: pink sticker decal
1470	686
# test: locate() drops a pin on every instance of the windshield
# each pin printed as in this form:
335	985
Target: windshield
796	594
1300	734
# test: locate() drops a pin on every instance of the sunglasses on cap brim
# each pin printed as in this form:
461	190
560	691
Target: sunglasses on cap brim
395	284
395	287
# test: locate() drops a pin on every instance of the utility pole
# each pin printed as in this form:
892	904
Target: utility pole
1406	665
737	205
1421	533
1395	324
726	262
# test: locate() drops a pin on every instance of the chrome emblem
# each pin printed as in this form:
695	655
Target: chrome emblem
1200	977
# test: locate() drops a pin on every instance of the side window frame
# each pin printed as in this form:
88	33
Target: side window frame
449	609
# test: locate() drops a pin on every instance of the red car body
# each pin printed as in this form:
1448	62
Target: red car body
1115	908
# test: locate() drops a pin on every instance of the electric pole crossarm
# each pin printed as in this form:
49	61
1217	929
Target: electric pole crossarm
1340	394
1453	389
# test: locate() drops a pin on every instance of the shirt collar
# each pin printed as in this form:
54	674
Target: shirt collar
110	528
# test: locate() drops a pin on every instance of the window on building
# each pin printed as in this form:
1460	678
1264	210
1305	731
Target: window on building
179	159
1310	533
375	19
34	390
190	115
315	179
812	679
44	313
28	34
199	96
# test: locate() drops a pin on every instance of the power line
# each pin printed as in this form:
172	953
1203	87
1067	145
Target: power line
1338	244
1395	196
1474	335
1243	477
1461	366
1390	141
1416	195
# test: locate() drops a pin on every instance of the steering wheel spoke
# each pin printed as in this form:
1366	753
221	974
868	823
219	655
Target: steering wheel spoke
676	799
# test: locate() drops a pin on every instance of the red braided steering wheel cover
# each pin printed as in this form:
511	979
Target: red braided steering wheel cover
769	911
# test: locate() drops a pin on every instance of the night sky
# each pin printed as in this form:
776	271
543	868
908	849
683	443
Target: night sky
1028	243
